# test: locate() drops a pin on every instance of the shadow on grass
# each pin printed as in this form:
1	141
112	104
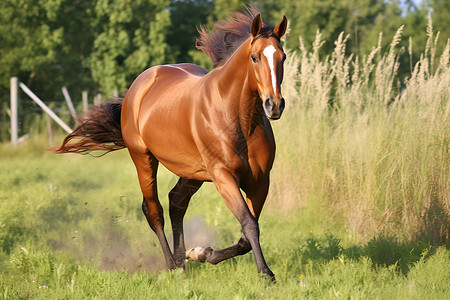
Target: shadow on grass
383	251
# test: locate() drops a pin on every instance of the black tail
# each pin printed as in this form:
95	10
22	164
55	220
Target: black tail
99	129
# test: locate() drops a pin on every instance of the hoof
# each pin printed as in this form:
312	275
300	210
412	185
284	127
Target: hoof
197	254
268	274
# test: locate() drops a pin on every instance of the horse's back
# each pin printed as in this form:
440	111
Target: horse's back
157	83
170	93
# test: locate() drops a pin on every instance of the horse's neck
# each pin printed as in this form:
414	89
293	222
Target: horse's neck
236	90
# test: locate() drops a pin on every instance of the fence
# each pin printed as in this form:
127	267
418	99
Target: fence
15	85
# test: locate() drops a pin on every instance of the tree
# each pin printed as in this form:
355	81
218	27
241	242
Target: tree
186	17
441	23
363	20
30	37
130	37
223	8
97	45
330	17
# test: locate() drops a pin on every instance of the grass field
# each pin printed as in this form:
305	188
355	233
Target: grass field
359	204
71	227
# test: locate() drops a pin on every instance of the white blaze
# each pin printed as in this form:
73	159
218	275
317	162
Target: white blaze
269	52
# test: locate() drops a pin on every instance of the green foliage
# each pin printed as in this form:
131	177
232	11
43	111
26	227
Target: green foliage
43	265
186	17
30	41
130	37
223	8
362	21
331	18
101	46
439	13
84	45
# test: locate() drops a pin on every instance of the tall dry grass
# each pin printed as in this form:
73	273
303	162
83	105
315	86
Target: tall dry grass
357	146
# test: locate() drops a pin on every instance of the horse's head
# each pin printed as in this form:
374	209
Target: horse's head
267	58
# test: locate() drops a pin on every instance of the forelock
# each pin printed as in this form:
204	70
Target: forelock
266	32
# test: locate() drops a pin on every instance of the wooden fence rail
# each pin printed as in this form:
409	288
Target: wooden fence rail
15	84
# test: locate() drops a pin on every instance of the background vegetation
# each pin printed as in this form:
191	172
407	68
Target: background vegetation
101	45
359	205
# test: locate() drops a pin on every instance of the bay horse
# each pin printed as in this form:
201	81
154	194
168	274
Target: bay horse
201	126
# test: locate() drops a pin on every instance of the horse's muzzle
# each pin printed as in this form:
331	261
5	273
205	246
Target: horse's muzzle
272	109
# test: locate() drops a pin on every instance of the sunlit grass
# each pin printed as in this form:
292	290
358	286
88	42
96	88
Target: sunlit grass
71	227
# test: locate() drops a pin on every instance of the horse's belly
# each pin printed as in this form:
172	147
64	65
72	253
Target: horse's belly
187	171
182	163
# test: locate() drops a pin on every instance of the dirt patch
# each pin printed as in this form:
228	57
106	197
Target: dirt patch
110	248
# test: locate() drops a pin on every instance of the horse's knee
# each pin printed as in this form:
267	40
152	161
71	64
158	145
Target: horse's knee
145	208
243	246
177	209
173	192
179	199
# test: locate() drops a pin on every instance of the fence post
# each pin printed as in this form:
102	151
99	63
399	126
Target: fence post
98	99
14	107
84	95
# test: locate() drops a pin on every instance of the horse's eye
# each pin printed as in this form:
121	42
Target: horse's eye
254	59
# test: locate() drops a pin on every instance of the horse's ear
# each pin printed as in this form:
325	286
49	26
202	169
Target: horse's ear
280	30
256	26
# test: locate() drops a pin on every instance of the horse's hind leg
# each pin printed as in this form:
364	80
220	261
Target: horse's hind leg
179	198
147	166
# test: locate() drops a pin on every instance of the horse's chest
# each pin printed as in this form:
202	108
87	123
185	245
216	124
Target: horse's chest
255	153
261	153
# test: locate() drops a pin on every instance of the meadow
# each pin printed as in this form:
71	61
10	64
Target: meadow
359	205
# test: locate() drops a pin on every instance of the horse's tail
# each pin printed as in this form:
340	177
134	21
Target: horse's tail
99	129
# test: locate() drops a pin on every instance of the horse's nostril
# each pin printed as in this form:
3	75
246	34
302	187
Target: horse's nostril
269	104
282	104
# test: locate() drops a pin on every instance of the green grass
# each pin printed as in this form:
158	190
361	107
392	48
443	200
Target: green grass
71	227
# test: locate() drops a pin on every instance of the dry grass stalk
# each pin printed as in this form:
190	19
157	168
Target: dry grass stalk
372	156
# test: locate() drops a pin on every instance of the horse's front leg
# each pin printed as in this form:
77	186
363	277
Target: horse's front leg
247	216
179	198
256	197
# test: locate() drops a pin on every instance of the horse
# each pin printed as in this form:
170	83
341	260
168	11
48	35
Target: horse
204	127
